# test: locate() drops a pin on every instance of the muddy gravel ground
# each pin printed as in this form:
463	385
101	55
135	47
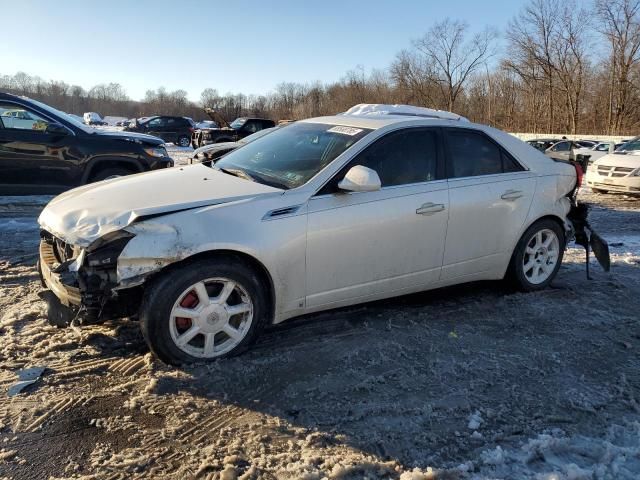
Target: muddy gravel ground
471	382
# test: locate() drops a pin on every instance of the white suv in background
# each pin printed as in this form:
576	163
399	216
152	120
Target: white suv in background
322	213
618	171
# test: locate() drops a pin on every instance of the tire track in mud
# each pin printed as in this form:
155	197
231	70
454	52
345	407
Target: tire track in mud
55	407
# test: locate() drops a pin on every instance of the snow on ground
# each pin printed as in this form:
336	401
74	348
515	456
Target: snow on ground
472	382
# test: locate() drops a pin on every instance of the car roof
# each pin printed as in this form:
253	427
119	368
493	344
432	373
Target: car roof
375	122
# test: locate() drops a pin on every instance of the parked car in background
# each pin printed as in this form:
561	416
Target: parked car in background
214	151
323	213
562	150
585	143
206	124
599	150
171	129
225	132
617	172
52	151
19	118
93	118
542	144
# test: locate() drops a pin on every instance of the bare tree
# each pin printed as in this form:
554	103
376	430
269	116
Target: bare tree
620	24
449	60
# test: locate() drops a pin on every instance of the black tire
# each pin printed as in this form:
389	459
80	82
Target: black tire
160	296
516	276
109	173
598	190
183	141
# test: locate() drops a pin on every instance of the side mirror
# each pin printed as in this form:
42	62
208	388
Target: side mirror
56	129
360	179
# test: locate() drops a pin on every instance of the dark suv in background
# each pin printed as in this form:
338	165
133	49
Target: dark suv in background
43	150
175	130
238	129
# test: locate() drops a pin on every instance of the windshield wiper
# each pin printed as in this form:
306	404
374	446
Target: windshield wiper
236	172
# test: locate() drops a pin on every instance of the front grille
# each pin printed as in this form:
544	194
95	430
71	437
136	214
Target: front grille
610	171
59	251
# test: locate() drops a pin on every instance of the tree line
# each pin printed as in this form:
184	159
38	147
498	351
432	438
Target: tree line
566	67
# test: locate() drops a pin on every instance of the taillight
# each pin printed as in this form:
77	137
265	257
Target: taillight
579	175
191	129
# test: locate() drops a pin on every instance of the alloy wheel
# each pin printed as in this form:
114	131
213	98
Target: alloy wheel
211	317
541	256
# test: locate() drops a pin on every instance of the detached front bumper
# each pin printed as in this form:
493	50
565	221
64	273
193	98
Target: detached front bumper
76	290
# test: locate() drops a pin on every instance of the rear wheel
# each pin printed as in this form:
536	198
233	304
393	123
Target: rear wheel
184	141
203	311
537	257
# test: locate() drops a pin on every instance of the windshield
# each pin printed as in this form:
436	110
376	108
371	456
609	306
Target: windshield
630	146
290	156
64	116
237	123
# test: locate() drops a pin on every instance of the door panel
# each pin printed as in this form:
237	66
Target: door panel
372	243
36	162
486	215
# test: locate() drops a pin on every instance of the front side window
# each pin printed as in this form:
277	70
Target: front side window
402	158
288	157
156	122
251	127
19	118
473	154
238	123
631	145
562	147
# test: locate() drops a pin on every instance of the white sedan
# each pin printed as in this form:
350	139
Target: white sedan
326	212
618	171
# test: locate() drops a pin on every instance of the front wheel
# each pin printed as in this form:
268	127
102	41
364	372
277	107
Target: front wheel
537	257
202	311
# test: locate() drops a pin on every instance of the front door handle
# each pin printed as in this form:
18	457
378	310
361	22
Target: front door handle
430	208
511	195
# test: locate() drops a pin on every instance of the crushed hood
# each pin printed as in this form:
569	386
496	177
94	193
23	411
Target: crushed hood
83	215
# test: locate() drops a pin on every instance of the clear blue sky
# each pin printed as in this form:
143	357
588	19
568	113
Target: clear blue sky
233	46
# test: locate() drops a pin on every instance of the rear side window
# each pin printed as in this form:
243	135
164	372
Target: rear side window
473	154
17	117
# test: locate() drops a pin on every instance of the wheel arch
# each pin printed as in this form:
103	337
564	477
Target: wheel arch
555	218
101	163
249	260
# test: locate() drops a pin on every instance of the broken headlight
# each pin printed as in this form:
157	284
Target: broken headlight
105	251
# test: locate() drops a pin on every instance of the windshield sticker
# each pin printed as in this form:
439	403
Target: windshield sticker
345	130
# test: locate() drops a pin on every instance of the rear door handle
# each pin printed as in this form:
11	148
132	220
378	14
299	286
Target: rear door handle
511	195
430	208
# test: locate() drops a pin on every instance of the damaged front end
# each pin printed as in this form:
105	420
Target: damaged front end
584	234
82	282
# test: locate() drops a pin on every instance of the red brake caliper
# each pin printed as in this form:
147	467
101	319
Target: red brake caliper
190	300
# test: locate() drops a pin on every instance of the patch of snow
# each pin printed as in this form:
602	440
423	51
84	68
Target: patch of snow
475	419
17	224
